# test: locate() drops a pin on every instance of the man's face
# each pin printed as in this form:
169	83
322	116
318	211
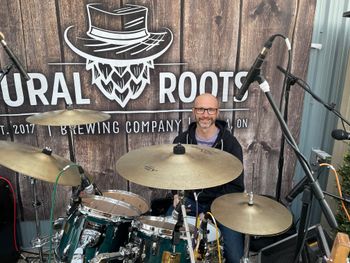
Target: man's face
205	111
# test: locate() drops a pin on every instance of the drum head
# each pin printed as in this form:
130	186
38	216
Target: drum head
104	207
133	199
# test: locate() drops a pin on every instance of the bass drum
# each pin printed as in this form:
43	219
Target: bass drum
154	235
99	225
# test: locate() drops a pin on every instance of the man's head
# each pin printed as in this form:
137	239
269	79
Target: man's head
206	110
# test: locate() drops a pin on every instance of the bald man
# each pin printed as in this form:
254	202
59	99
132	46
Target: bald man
209	131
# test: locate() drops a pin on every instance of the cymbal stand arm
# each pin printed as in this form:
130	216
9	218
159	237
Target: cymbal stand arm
188	236
36	205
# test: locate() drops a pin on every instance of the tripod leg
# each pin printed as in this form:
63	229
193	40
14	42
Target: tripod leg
303	225
36	204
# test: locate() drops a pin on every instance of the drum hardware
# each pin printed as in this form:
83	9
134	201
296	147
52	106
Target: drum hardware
89	238
153	235
37	242
99	225
181	220
258	216
128	254
105	257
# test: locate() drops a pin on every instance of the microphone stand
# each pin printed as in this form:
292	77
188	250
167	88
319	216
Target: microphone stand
290	82
337	197
315	188
301	83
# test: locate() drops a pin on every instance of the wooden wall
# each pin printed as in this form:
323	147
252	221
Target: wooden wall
213	35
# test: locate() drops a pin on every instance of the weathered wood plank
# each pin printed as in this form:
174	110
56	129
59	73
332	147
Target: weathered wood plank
208	36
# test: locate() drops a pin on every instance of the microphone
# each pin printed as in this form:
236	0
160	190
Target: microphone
340	135
13	58
255	69
85	186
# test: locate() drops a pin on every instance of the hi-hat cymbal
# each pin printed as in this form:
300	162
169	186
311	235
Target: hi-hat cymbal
35	163
68	117
265	217
198	167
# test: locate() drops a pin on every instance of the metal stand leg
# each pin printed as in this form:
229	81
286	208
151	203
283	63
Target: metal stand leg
36	205
245	258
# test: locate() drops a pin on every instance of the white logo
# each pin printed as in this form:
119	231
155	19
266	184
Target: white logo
119	50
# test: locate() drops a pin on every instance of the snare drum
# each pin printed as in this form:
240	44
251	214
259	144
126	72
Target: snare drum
155	234
128	197
99	225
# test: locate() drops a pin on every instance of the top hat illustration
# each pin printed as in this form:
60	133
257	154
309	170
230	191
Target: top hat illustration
119	37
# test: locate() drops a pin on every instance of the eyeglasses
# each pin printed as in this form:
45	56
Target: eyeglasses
210	111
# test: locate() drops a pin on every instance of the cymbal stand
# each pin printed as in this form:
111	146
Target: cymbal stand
245	258
182	220
70	134
71	143
37	242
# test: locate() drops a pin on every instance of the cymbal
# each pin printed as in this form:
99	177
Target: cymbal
68	117
197	167
265	217
35	163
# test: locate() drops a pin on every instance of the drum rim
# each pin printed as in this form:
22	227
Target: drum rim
84	209
130	194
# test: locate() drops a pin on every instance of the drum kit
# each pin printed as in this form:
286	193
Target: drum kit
115	225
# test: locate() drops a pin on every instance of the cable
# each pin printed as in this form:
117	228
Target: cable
53	201
217	235
338	186
14	212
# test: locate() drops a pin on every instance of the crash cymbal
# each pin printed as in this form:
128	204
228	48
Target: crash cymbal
37	164
68	117
190	167
265	217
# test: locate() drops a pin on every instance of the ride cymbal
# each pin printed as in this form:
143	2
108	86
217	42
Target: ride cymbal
68	117
37	163
181	168
264	217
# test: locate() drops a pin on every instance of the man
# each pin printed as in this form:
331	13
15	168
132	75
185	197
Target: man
207	130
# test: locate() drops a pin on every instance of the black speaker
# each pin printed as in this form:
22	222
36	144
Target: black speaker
316	246
8	252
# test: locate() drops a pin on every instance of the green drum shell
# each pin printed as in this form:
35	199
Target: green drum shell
98	214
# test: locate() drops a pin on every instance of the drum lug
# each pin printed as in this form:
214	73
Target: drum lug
65	250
